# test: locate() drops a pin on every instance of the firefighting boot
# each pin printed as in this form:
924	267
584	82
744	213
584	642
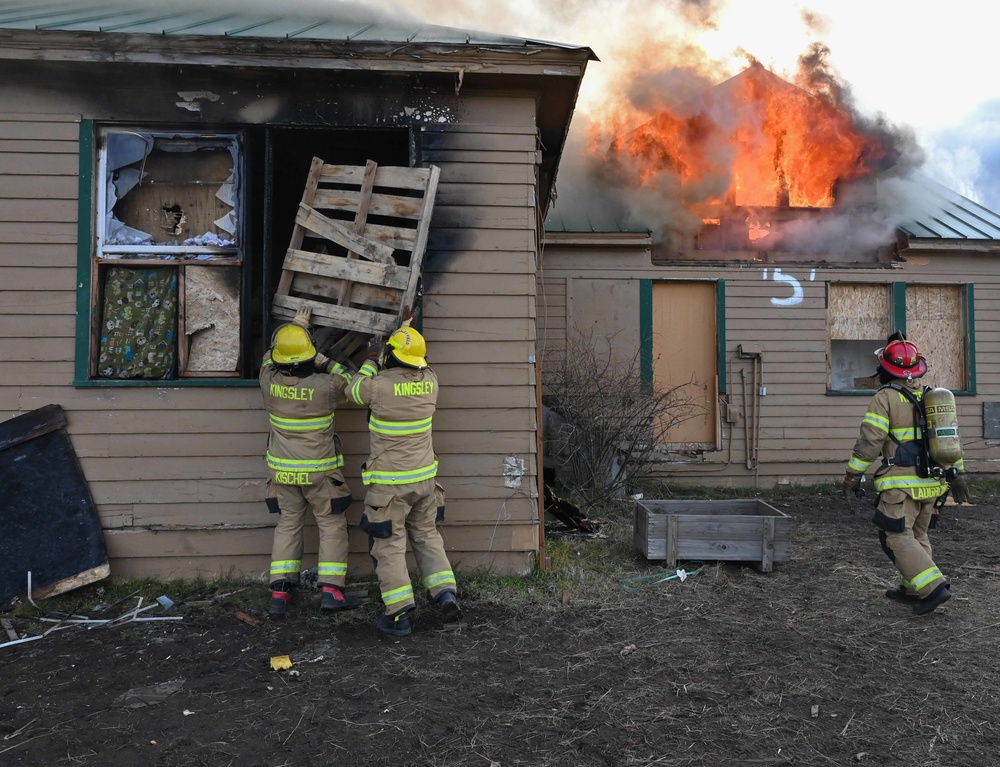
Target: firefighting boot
447	602
334	598
397	624
900	594
281	596
938	597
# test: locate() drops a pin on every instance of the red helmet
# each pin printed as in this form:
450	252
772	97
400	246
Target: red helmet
901	359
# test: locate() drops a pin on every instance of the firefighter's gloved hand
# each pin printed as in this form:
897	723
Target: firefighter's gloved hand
959	489
302	317
375	347
851	486
323	363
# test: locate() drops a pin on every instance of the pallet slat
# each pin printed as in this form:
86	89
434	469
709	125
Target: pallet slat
359	279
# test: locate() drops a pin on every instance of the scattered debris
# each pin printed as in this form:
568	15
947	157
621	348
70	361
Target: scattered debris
68	620
568	513
247	618
280	662
139	697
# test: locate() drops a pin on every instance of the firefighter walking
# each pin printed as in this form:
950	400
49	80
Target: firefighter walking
909	486
401	503
301	390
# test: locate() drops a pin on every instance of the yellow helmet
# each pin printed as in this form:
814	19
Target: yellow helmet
408	347
292	344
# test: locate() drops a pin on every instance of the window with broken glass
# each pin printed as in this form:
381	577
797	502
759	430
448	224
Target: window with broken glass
938	318
168	256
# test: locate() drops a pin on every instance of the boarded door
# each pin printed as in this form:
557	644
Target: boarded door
685	352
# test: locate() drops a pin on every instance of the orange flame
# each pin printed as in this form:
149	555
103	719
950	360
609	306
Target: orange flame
777	145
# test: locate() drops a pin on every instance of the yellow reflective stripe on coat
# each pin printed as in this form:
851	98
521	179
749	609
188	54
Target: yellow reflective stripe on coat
927	576
857	466
880	422
289	464
402	594
399	427
919	487
906	435
282	566
367	371
443	578
399	477
339	370
302	424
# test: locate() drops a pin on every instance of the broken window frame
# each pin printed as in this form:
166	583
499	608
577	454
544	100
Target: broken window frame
896	320
230	254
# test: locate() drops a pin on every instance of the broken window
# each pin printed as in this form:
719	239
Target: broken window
935	317
168	261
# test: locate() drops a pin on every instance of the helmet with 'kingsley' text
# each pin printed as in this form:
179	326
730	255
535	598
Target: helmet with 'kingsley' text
408	347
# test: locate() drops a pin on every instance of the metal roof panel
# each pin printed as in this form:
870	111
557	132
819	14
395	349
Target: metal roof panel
948	215
138	17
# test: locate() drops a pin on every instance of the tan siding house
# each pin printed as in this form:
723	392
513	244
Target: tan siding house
175	464
792	340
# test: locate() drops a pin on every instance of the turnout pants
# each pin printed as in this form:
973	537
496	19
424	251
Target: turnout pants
903	523
393	515
327	501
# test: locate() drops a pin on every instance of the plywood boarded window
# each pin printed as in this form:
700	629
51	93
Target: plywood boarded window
935	322
168	260
859	318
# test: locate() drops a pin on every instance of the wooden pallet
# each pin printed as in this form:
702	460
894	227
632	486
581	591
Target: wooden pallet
356	251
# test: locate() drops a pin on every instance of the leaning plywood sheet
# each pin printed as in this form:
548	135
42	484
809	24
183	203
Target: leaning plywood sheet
356	250
48	522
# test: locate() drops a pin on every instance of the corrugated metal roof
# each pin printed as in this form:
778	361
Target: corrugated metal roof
947	215
343	23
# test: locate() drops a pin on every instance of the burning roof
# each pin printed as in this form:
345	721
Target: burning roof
756	148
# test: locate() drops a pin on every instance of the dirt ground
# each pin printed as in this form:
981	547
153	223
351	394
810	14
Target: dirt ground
807	665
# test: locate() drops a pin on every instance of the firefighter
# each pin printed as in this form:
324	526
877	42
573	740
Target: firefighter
301	389
907	501
403	499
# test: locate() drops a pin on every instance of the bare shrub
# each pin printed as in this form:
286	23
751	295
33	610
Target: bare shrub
603	423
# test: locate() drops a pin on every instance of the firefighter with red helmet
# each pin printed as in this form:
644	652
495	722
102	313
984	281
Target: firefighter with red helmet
403	500
301	390
909	486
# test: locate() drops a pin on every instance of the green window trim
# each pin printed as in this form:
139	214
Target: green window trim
646	332
84	287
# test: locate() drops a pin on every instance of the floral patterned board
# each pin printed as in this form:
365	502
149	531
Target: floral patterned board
139	325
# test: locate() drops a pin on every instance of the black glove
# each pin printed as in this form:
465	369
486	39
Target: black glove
851	486
959	489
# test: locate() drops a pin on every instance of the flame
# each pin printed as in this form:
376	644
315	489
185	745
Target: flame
772	144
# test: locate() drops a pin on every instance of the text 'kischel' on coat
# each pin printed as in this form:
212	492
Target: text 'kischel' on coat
302	446
402	402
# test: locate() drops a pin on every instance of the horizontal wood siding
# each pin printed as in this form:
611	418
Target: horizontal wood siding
805	435
177	473
479	320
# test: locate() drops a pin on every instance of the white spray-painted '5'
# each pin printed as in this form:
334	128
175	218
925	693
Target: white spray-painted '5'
796	297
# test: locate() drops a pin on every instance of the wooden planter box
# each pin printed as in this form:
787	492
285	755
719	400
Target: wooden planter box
746	530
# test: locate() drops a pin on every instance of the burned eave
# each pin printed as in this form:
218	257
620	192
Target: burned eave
385	56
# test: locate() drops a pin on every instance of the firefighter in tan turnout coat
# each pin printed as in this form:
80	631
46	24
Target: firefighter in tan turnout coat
301	390
400	472
907	496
